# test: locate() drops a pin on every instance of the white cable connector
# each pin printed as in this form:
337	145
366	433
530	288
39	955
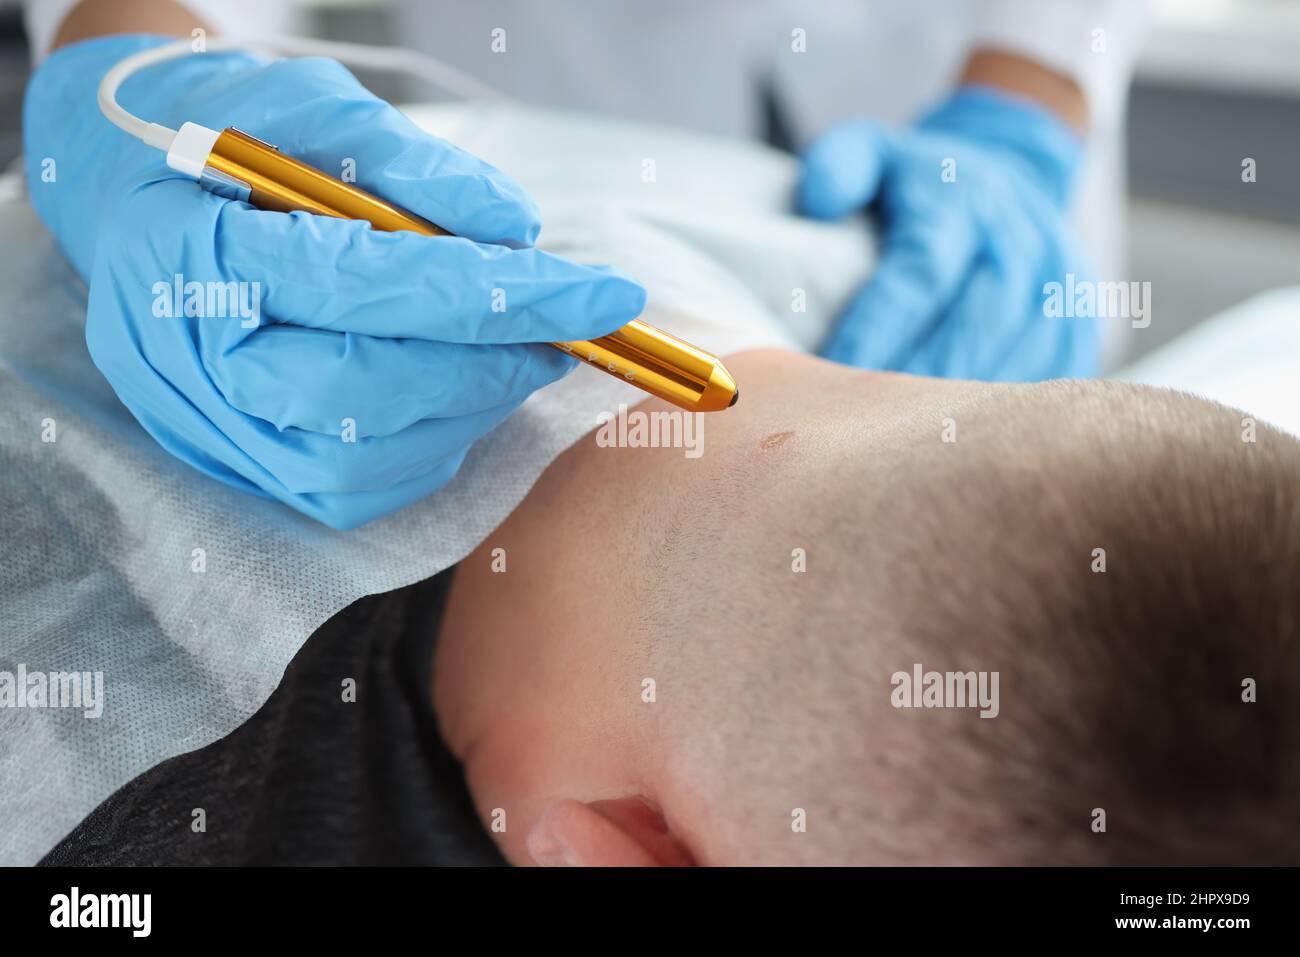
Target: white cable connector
189	151
391	59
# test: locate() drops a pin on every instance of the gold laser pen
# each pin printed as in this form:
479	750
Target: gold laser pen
240	166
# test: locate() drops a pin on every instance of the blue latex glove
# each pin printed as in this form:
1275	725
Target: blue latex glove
958	290
395	332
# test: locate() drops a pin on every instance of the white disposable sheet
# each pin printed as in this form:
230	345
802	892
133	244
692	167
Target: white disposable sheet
1247	357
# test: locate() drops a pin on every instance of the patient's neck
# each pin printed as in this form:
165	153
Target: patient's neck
547	680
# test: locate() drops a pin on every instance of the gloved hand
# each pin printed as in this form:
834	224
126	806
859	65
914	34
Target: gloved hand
971	204
411	346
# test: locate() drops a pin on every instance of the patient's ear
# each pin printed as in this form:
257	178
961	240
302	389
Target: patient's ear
626	832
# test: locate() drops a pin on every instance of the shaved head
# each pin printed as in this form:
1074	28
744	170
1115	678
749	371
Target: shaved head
730	655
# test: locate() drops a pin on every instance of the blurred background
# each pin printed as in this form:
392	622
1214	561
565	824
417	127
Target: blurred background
1218	80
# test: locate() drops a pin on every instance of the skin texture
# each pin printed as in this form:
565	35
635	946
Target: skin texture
538	671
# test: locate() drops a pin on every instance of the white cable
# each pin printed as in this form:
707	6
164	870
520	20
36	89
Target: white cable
390	59
152	133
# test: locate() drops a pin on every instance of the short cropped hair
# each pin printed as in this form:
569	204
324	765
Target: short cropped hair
1129	560
1126	559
